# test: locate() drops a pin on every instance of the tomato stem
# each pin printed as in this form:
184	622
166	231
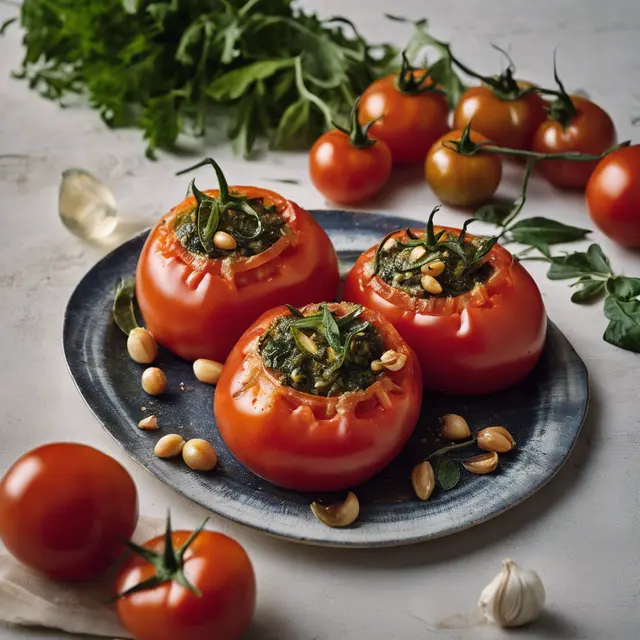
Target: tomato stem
358	134
452	447
408	83
562	108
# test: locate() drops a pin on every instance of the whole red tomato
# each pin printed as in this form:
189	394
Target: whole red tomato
409	117
65	509
207	590
484	340
461	180
613	196
509	122
314	443
347	166
198	307
589	130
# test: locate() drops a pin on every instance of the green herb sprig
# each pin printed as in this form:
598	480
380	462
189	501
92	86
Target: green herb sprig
123	312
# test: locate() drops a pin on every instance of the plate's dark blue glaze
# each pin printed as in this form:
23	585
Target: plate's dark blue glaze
544	413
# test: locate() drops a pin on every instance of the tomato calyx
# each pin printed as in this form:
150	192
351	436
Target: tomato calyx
411	79
561	109
357	133
169	564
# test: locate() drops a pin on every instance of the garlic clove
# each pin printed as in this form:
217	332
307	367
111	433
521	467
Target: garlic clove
514	597
340	514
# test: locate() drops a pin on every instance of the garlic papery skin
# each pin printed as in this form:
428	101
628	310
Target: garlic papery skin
513	598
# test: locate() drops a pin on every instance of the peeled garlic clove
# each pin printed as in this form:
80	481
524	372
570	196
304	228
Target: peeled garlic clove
484	463
454	427
496	439
513	598
341	514
423	480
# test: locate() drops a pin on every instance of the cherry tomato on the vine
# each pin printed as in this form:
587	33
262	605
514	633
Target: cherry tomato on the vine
347	166
588	129
461	180
65	509
613	196
413	113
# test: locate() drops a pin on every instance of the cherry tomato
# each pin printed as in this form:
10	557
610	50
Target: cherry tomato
198	307
508	123
215	565
590	130
314	443
409	122
347	174
459	180
481	341
65	509
613	196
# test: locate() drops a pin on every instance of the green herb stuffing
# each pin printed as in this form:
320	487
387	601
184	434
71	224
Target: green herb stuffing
404	263
322	354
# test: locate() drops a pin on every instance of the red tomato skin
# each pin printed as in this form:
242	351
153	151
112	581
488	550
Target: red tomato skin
509	123
410	124
346	174
613	196
215	564
309	443
65	509
477	350
590	131
198	308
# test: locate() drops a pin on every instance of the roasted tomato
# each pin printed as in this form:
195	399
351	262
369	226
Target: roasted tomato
318	399
473	315
577	125
201	588
346	165
65	509
220	258
613	196
410	113
459	180
510	117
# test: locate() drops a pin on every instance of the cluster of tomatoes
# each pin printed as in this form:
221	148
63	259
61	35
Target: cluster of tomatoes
404	119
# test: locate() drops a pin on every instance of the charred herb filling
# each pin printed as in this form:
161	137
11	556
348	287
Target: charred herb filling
322	354
404	263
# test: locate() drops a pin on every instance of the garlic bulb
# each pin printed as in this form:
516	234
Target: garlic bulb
513	598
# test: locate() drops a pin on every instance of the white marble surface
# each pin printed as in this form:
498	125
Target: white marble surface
580	533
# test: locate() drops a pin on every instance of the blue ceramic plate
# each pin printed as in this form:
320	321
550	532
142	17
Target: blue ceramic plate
544	413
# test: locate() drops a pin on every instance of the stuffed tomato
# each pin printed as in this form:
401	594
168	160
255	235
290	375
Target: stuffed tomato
471	312
220	258
320	398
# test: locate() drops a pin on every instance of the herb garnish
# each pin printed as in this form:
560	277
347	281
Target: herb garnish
123	312
322	353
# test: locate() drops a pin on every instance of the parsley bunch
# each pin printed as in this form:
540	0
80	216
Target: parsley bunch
160	65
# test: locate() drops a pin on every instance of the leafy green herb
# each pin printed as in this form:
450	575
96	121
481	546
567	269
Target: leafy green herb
538	231
624	323
123	312
447	473
164	65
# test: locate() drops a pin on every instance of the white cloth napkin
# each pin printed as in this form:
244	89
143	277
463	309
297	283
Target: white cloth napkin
28	599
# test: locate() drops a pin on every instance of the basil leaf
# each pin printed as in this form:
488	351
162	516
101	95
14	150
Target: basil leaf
484	249
623	329
212	223
572	265
452	245
536	230
447	473
589	291
429	233
494	213
349	317
293	125
331	329
235	84
294	312
623	288
123	313
599	262
442	73
242	131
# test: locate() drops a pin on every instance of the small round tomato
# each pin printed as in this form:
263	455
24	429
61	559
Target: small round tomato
409	116
312	442
65	509
484	339
589	130
613	196
197	303
459	180
509	122
347	166
203	589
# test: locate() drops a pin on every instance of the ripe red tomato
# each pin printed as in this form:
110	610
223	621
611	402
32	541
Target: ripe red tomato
460	180
198	307
65	509
410	123
481	341
613	196
345	173
509	123
590	130
314	443
215	565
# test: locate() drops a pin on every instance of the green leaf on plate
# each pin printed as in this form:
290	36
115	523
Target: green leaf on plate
447	473
123	313
624	323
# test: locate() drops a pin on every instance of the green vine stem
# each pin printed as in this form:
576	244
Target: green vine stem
452	447
408	83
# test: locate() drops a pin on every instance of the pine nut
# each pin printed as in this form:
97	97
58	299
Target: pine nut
377	365
148	423
417	253
389	244
207	371
169	446
142	346
307	343
383	399
496	439
154	381
430	284
434	268
454	427
225	241
393	360
199	455
341	514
